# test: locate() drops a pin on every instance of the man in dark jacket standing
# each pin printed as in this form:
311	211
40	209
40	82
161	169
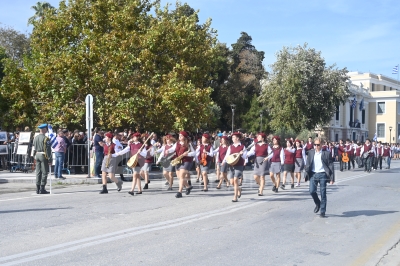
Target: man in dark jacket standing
319	171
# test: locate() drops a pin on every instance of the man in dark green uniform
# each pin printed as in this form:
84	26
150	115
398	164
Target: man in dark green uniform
43	159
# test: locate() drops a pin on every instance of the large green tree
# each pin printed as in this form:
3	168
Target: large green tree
15	43
145	65
301	92
241	81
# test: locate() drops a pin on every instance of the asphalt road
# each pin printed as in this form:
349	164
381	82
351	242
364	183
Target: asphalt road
78	226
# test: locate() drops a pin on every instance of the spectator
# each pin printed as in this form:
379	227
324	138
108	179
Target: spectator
59	151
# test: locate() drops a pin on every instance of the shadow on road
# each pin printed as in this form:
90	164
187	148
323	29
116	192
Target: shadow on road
35	210
362	212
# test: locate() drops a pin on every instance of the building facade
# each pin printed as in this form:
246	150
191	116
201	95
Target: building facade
377	110
384	105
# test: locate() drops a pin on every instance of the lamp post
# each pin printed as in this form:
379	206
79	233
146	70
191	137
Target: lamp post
233	106
261	113
390	138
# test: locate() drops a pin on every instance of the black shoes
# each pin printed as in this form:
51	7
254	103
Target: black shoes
274	188
131	193
282	186
43	190
104	191
316	209
292	186
179	195
234	200
322	215
187	191
205	190
140	192
169	189
146	186
190	183
216	181
37	189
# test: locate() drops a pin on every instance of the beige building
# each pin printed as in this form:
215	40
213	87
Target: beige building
384	105
379	112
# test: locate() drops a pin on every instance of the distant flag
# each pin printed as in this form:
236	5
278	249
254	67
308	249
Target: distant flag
375	137
52	136
395	70
362	104
354	103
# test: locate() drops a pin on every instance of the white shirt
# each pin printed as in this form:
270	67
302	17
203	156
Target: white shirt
318	167
118	146
191	153
128	148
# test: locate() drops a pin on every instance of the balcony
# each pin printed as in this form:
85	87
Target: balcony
354	124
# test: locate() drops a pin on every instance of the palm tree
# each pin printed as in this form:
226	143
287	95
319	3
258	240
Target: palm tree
39	8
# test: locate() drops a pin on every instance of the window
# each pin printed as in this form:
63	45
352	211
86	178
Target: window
390	88
380	128
384	88
372	87
351	114
381	107
398	108
363	117
337	113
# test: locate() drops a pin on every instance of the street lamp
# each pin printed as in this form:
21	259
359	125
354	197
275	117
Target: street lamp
233	106
261	113
390	138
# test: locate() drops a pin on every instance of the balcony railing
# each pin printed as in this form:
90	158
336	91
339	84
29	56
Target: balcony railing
354	124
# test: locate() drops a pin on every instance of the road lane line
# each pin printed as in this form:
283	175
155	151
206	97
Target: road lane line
123	234
373	249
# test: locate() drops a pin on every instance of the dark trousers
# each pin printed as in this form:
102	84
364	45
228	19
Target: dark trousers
321	179
341	163
378	162
368	163
351	157
98	163
360	161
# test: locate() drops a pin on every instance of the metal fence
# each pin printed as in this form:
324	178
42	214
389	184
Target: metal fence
75	161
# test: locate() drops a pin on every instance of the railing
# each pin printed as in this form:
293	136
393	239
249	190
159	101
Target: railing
75	160
354	124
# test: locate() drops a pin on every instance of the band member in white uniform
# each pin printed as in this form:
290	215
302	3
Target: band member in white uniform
168	170
135	147
277	159
236	171
204	154
220	153
109	164
184	149
261	150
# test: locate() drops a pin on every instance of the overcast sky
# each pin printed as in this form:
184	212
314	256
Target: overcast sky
360	35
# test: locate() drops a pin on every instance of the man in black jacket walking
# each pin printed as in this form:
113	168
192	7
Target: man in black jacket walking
319	171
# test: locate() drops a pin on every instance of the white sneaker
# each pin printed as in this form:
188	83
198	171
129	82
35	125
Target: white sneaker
297	185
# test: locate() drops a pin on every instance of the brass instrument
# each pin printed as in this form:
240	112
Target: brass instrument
109	156
134	159
178	159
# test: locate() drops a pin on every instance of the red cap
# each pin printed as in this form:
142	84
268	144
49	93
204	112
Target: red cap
225	138
297	140
168	136
207	136
262	135
109	135
277	138
137	134
184	133
237	134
